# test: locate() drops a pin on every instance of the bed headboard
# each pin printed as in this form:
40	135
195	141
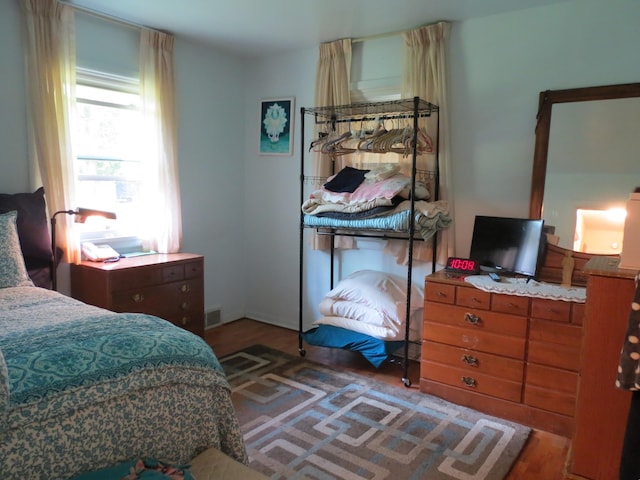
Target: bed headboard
33	232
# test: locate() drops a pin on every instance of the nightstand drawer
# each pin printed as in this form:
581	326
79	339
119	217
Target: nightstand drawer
169	286
135	277
169	297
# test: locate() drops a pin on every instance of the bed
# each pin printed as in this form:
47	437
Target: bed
83	388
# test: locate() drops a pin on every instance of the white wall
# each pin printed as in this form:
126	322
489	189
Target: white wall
13	120
210	98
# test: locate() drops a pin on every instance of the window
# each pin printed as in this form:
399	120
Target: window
107	142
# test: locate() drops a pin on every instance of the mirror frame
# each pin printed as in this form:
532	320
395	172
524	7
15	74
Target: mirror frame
543	126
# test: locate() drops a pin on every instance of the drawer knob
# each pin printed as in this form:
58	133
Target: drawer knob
185	288
184	321
472	319
442	294
138	297
468	381
184	305
470	360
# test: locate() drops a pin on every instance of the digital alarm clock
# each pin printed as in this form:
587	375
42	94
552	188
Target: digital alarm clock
462	265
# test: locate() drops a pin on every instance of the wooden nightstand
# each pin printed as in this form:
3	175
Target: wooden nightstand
170	286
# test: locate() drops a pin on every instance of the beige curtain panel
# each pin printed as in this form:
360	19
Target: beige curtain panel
162	191
50	64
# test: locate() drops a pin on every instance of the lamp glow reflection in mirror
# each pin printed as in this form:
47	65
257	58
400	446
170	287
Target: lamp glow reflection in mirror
599	231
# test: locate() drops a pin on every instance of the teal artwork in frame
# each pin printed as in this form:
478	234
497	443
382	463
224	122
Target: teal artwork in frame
276	126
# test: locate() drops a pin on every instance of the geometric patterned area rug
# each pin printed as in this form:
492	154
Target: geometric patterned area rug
301	419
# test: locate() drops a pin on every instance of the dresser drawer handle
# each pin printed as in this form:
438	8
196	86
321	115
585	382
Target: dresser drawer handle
184	321
468	381
185	288
442	294
470	360
184	305
472	319
138	297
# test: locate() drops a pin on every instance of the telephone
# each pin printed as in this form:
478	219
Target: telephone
99	253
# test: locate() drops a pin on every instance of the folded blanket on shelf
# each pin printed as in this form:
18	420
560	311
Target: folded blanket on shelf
429	217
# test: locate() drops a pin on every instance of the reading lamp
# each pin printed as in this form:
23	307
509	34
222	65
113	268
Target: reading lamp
81	215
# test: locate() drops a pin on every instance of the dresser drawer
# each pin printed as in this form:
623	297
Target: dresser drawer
554	355
438	292
551	378
554	344
472	297
577	313
551	389
473	361
474	381
476	320
473	339
511	304
547	309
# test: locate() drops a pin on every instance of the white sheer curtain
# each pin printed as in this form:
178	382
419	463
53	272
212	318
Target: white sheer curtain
50	66
332	88
425	75
163	222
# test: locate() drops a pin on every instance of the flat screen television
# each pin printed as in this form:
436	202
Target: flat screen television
507	245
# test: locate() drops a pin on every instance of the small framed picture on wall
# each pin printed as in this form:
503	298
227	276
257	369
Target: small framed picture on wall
276	126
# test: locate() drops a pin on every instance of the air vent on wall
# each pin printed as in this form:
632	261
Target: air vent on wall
212	318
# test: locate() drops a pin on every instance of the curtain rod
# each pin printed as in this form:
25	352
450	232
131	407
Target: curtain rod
105	16
391	34
375	37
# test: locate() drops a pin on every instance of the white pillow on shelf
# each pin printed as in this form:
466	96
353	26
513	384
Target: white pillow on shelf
380	291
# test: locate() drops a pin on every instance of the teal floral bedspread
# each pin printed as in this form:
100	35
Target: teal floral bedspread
83	388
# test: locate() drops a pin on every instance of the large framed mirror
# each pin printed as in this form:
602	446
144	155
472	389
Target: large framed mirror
586	162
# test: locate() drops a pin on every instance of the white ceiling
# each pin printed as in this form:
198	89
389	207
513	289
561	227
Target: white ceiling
257	27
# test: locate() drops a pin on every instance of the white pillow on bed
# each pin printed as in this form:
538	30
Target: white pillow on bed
13	272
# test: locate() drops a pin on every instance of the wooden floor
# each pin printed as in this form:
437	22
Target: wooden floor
543	457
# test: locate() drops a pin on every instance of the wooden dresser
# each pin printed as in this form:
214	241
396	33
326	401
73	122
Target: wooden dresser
170	286
602	409
516	357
